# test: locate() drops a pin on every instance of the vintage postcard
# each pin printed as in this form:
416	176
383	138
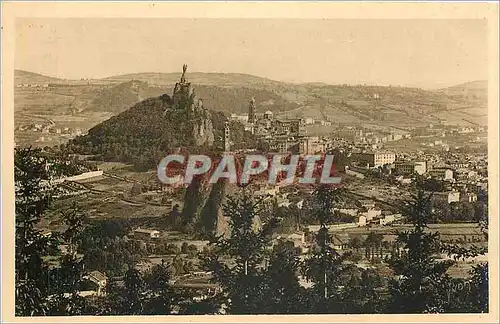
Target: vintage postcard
263	162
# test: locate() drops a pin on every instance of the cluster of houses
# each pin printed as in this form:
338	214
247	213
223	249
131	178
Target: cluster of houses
371	139
49	129
282	135
463	176
32	85
365	213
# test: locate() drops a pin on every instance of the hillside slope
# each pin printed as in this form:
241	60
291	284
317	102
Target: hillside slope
230	93
25	77
198	78
344	104
476	90
229	100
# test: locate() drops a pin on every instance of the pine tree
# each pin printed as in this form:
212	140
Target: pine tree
134	289
362	294
33	194
325	266
39	289
421	283
160	294
285	295
68	277
242	281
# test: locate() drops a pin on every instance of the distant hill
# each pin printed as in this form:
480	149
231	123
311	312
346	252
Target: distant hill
122	96
473	85
345	104
475	90
230	92
198	78
25	77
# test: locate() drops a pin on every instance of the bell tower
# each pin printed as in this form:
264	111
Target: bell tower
227	139
251	111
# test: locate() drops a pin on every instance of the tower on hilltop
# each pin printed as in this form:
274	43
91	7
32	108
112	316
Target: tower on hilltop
183	96
227	139
251	111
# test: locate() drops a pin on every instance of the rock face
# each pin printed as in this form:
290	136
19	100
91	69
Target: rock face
203	207
185	101
196	197
212	220
203	131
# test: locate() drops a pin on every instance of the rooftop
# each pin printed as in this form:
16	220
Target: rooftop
97	275
146	231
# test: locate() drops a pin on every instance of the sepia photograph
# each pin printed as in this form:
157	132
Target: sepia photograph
250	165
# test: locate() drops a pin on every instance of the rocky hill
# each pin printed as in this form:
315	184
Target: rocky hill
145	132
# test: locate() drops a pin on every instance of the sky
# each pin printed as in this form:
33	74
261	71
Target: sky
407	52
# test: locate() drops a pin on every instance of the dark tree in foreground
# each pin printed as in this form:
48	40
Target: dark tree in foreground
161	296
241	274
325	266
67	279
32	200
421	284
40	289
285	294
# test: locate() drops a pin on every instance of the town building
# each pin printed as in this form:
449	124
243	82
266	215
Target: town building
442	173
146	234
99	279
291	127
375	159
361	220
412	167
340	241
468	197
347	211
298	238
389	219
448	197
371	213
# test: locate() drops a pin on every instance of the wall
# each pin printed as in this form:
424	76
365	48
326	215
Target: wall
86	175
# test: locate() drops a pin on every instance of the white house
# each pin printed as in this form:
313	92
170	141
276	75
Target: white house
146	234
298	238
361	220
371	214
442	173
348	211
449	197
99	279
388	219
